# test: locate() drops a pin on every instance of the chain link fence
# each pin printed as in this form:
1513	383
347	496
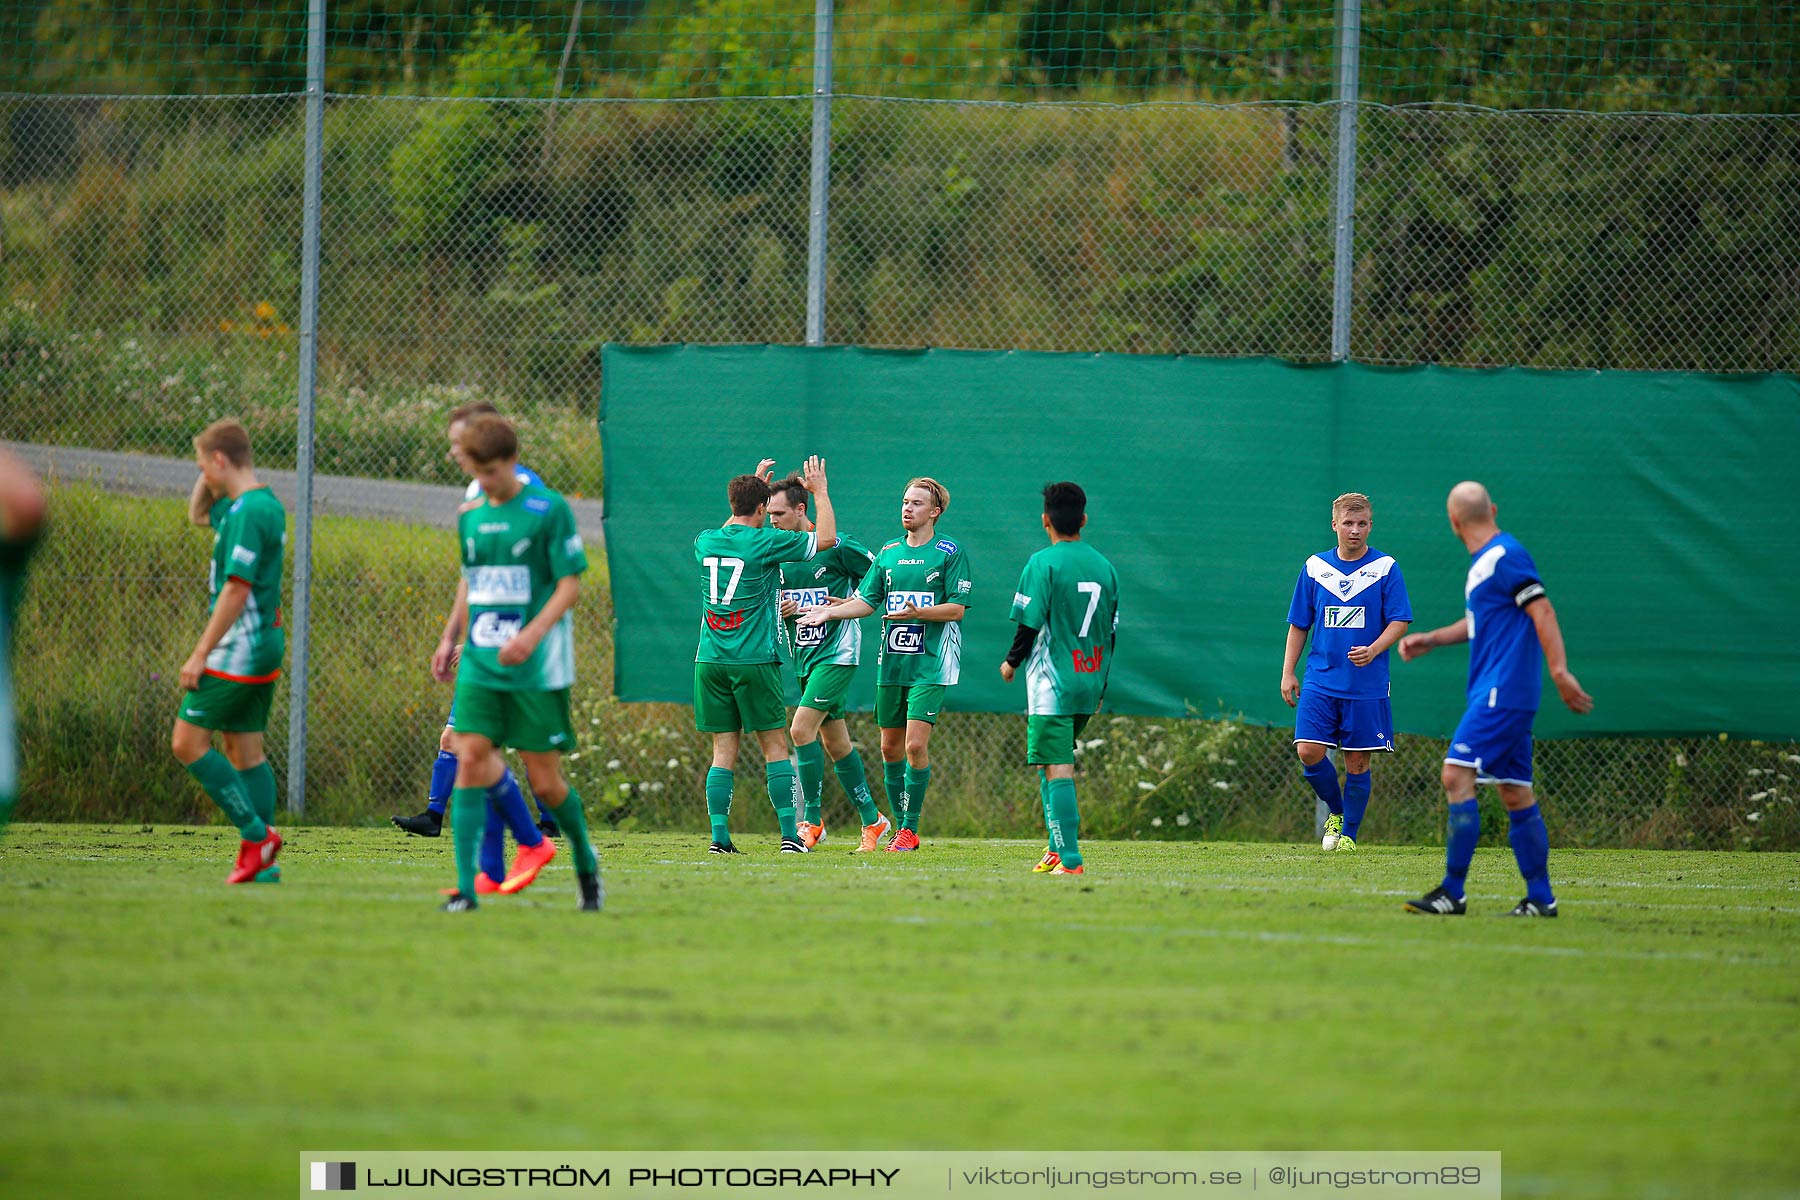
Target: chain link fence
479	247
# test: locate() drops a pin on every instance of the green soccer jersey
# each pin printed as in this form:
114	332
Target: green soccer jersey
249	535
12	588
740	573
928	652
513	554
828	575
1069	593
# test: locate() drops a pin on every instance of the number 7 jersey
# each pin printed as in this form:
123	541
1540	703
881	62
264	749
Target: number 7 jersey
1069	593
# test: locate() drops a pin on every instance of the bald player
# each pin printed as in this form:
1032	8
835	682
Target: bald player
1512	632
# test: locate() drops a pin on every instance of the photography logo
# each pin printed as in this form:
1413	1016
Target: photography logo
333	1177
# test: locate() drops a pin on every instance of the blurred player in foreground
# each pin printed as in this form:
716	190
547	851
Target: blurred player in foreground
230	677
21	521
1512	632
522	561
1067	614
430	822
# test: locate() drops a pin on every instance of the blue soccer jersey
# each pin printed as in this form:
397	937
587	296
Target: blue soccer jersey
1348	604
1506	664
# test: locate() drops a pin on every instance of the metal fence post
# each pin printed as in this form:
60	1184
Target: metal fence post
1343	213
821	173
1344	198
300	625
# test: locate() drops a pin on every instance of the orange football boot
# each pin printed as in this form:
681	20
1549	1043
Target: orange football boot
872	835
906	839
531	860
254	858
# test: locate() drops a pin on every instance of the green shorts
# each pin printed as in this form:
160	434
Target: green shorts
729	697
531	721
826	688
896	704
227	706
1050	741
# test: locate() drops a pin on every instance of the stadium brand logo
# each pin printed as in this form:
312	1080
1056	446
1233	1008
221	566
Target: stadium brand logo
1343	618
910	562
906	638
725	622
334	1177
1087	664
494	527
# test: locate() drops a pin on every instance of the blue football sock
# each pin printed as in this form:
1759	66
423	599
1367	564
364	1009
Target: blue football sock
1356	801
510	803
492	857
1531	846
443	780
544	811
1323	777
1459	848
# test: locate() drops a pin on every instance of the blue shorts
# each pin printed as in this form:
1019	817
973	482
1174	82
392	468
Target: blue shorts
1343	723
1496	742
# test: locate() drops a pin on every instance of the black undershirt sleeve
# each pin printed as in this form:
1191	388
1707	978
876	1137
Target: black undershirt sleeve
1023	639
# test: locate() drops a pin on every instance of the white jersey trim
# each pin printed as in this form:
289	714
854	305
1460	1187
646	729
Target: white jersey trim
1347	585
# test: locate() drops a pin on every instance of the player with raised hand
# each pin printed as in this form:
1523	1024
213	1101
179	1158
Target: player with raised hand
230	677
21	521
1352	601
1512	632
737	665
921	585
1067	616
522	561
825	662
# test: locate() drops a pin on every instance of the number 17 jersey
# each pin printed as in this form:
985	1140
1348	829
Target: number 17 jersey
740	578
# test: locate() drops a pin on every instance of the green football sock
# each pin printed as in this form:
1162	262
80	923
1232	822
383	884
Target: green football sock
917	780
811	758
850	773
1044	801
718	804
572	820
893	774
780	776
1065	828
215	773
259	782
468	817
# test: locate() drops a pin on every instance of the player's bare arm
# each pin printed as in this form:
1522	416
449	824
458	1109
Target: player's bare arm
521	645
1362	656
931	612
1556	657
449	647
232	599
21	500
1290	662
200	502
848	608
824	518
1413	645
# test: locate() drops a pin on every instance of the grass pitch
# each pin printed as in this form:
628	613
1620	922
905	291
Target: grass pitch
167	1036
